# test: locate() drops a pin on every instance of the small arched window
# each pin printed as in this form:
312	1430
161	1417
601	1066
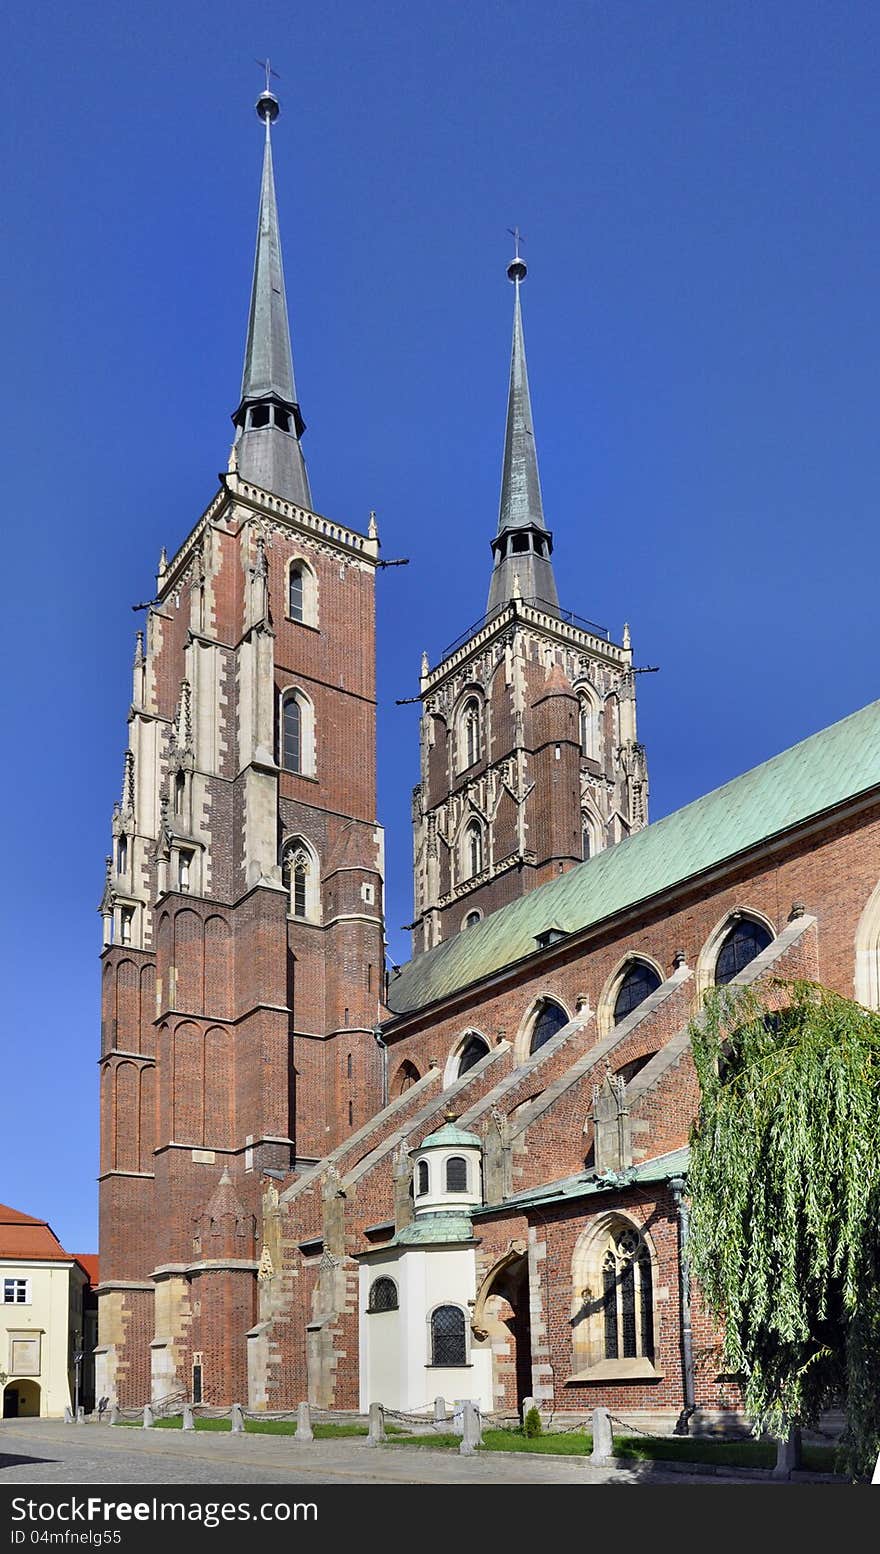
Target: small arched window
448	1340
456	1174
472	919
588	728
474	848
746	939
179	792
295	592
549	1019
472	1051
121	853
587	847
422	1175
640	980
383	1295
471	731
291	735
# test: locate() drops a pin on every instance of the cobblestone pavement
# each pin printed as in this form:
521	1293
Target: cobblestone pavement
38	1451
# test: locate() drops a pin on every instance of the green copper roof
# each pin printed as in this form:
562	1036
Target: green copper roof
657	1170
813	776
450	1134
434	1230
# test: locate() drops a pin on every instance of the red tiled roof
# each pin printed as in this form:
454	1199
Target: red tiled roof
27	1238
89	1261
15	1217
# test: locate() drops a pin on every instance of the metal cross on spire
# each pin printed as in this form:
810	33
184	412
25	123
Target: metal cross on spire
265	65
517	239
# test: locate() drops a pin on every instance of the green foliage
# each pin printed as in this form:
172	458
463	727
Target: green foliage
784	1183
532	1423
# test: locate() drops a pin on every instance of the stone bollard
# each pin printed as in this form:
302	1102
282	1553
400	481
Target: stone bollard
237	1419
471	1429
114	1413
148	1417
189	1422
788	1454
68	1415
304	1431
439	1410
377	1424
603	1443
81	1415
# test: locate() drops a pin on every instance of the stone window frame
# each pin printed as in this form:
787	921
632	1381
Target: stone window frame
589	720
298	849
589	1362
471	696
308	736
523	1038
310	597
609	995
704	974
450	1072
474	828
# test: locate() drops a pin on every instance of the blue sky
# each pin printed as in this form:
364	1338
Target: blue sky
697	186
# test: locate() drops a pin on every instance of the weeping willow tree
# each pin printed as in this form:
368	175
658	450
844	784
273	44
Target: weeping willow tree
784	1182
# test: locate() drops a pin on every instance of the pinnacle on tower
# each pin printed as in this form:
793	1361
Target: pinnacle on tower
268	421
523	543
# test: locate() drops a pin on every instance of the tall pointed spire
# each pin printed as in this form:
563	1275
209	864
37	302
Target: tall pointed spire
268	421
523	543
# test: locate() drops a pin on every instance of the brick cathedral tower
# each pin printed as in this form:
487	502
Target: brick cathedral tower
530	758
244	947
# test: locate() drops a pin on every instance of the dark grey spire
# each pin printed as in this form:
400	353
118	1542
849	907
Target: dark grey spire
523	544
268	421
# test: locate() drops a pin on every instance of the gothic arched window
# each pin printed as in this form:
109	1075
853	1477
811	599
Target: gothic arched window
588	728
456	1174
473	1049
448	1339
302	593
638	983
471	731
746	939
121	853
627	1297
299	878
295	592
549	1019
291	735
474	848
383	1295
423	1181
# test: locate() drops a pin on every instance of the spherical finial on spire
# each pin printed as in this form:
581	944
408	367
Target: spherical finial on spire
268	106
517	270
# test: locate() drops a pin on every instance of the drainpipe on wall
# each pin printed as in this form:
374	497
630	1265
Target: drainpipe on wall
677	1188
377	1032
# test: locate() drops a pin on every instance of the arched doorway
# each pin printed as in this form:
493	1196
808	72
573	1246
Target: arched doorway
21	1400
502	1314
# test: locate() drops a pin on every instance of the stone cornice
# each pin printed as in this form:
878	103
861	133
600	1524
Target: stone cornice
519	614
